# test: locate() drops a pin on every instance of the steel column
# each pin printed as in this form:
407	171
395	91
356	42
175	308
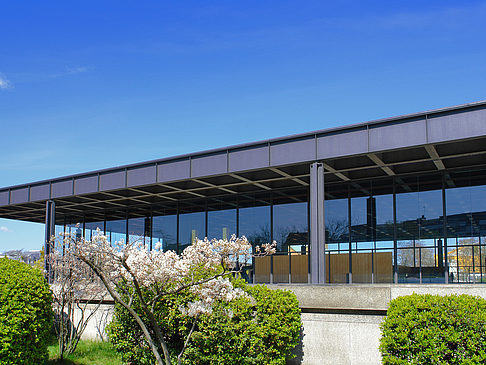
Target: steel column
317	231
50	230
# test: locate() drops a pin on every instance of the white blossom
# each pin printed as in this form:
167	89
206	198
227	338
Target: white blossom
167	271
128	270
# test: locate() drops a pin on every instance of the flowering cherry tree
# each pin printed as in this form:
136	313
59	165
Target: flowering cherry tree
77	294
130	270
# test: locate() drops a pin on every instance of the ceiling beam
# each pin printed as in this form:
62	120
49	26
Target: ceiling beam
250	181
435	156
215	186
381	164
335	172
179	190
293	178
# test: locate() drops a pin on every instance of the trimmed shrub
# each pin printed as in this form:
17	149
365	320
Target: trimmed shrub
25	314
127	337
262	330
433	329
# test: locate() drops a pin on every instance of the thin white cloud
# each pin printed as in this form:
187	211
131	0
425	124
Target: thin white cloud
26	77
77	69
4	83
70	71
4	229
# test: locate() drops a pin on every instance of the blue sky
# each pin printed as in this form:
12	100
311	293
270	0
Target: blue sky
96	84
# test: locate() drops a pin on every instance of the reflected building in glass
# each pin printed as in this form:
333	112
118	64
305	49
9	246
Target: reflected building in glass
400	200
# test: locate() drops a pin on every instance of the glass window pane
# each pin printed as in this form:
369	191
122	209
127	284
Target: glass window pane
254	224
58	239
290	230
116	230
91	227
164	230
337	240
221	223
192	226
75	230
290	226
466	226
362	221
139	230
420	229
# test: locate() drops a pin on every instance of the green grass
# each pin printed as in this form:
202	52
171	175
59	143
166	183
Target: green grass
87	353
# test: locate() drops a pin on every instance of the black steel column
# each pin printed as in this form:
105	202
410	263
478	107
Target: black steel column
350	248
395	243
443	247
50	231
271	240
317	232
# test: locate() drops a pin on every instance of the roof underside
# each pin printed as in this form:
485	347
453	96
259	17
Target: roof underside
445	141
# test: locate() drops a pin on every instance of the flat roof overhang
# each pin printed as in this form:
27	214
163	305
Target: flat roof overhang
440	140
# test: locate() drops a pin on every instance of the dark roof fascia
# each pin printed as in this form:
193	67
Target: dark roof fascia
367	124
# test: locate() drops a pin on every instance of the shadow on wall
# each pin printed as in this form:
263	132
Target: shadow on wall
298	350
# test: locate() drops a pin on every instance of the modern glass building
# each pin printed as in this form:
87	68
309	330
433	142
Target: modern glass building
399	200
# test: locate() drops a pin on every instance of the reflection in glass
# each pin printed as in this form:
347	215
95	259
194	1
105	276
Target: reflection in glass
420	254
372	231
116	230
383	258
254	224
290	230
58	240
91	227
337	240
361	238
221	223
290	226
74	230
466	228
191	227
164	230
139	230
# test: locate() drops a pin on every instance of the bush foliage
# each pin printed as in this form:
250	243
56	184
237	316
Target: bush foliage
262	330
432	329
25	314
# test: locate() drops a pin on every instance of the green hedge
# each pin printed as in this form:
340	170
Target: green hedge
260	331
25	314
432	329
127	337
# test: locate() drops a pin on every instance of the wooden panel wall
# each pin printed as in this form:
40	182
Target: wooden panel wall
300	268
262	269
338	269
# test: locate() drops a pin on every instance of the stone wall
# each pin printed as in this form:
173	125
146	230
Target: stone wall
340	322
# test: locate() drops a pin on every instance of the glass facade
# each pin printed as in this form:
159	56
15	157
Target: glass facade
139	230
116	230
221	223
417	229
336	212
191	227
420	230
428	228
164	230
90	229
382	227
290	231
465	196
254	222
